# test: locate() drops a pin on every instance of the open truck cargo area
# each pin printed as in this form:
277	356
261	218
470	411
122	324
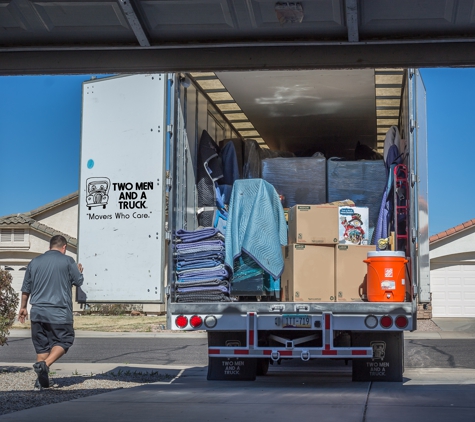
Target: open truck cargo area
156	148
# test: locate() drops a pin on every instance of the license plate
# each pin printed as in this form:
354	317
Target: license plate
296	321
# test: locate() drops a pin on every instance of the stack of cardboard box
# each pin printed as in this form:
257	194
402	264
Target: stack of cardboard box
324	258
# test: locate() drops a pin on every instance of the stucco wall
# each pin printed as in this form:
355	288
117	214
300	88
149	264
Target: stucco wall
63	218
39	243
459	245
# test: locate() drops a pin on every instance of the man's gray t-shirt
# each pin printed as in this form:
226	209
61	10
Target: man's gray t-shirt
49	279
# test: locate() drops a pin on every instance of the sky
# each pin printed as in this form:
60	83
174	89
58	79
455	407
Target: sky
40	119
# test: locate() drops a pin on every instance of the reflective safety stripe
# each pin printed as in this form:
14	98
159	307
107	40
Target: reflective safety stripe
252	349
328	332
251	317
296	352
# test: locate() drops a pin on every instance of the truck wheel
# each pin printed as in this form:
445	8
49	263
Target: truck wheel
262	367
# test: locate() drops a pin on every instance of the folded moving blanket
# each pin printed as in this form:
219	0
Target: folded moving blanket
209	282
204	270
202	297
210	248
195	264
197	235
211	289
198	275
200	244
196	256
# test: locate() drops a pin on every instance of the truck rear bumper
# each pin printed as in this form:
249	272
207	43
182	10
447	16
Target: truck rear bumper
278	316
290	349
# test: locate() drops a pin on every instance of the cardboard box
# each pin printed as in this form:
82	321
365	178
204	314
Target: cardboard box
309	273
354	225
350	272
313	224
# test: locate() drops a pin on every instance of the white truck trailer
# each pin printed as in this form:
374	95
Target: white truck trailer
139	147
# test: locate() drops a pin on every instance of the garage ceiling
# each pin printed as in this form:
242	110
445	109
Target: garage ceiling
183	35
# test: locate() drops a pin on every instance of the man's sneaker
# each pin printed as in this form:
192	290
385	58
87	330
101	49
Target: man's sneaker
42	370
38	387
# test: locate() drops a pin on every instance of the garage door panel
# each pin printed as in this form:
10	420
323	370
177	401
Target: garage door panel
454	281
453	290
469	281
439	298
455	311
437	281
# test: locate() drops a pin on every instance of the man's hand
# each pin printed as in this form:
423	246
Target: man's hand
80	268
22	315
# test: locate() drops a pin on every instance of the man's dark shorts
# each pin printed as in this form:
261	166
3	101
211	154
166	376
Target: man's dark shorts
45	335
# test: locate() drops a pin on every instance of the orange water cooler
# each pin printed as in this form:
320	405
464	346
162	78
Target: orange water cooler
386	277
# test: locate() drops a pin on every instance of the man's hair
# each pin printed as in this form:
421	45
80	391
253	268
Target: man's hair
57	242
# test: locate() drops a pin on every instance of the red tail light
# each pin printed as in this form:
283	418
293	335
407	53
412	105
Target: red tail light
181	321
401	321
196	321
386	321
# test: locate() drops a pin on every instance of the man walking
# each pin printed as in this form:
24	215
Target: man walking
48	284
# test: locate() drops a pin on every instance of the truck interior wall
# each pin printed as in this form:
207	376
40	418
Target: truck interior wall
404	116
195	114
406	135
422	188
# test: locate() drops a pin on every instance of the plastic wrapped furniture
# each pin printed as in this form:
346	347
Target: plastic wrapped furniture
362	181
300	180
253	156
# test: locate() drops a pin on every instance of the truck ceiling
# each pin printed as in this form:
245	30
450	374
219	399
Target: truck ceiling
139	36
305	112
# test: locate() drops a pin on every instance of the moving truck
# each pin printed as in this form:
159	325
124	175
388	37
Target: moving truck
138	186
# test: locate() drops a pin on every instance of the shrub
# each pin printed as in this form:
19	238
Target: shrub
8	305
111	308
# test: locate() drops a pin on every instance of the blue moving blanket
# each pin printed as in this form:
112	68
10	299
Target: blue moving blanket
256	225
196	235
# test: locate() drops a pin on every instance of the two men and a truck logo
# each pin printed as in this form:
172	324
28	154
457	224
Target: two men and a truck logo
97	189
131	196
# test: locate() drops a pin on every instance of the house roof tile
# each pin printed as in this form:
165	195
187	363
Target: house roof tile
15	219
452	231
53	204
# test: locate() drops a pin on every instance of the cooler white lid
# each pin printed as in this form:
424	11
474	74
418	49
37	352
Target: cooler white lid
375	254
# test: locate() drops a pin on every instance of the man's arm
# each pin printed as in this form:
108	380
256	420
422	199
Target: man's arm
23	314
25	294
76	273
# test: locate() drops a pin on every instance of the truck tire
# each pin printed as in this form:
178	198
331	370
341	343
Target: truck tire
262	367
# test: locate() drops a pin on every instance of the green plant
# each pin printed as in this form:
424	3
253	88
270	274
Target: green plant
111	309
8	305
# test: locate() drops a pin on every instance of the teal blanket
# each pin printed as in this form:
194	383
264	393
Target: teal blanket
256	225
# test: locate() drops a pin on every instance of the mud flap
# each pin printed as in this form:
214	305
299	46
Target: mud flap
388	354
230	369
